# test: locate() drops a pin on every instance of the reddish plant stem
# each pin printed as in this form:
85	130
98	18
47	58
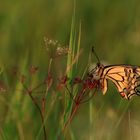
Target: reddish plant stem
41	114
75	108
71	117
78	100
38	107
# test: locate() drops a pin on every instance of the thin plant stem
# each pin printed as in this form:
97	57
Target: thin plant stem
71	117
38	108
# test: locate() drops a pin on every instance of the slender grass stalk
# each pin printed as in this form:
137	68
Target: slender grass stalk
116	125
17	97
2	135
71	117
122	115
48	74
71	47
91	118
130	127
69	69
72	62
90	106
79	41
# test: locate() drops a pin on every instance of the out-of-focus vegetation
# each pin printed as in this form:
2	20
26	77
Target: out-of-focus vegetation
111	26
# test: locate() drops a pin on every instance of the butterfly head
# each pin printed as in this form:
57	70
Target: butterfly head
95	72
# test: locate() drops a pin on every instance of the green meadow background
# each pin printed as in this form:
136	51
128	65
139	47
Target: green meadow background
113	27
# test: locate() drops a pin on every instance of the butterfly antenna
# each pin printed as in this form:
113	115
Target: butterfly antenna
93	51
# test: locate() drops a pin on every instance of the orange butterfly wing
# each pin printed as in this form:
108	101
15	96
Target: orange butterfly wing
126	79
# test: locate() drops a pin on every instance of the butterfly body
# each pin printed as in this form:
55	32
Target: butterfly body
125	77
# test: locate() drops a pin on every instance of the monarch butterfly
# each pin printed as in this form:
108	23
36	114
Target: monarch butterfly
125	77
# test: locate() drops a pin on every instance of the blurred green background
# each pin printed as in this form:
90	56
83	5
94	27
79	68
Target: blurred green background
111	26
